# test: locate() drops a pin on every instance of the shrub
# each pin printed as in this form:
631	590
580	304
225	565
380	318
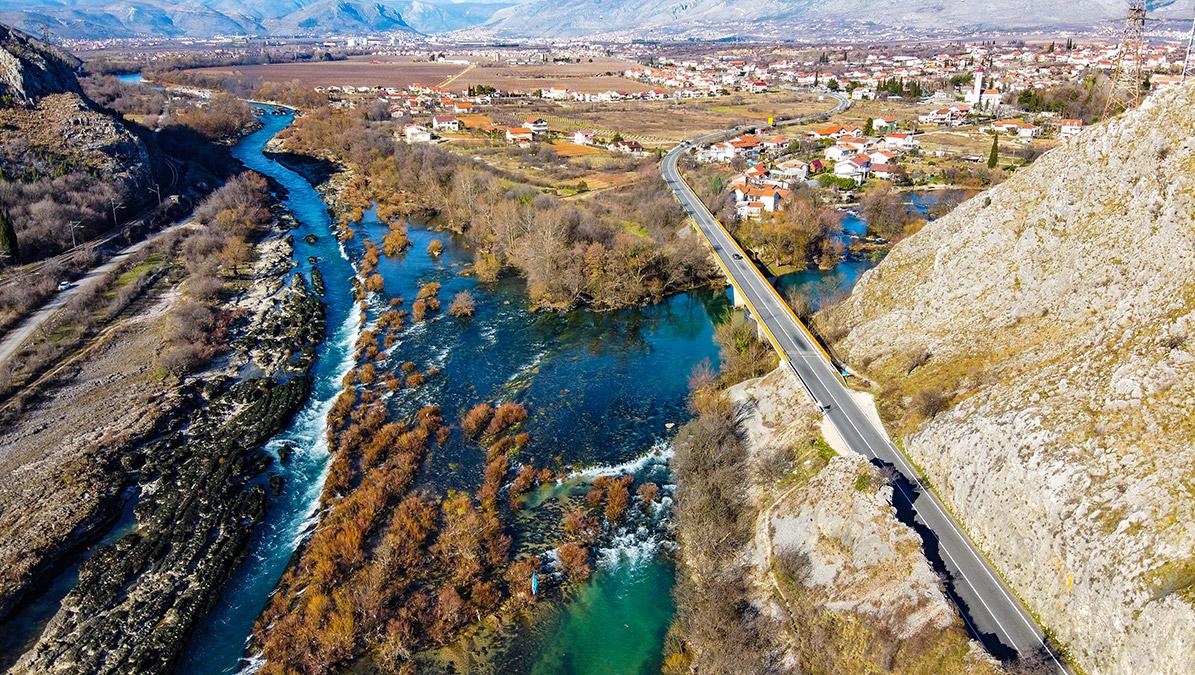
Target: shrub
506	416
395	241
930	402
574	559
476	419
648	492
617	498
462	305
375	283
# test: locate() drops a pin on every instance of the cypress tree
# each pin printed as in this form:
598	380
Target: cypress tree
994	157
8	236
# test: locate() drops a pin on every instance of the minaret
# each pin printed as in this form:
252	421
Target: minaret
977	92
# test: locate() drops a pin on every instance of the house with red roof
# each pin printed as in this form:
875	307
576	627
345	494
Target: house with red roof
446	124
521	136
1069	127
856	168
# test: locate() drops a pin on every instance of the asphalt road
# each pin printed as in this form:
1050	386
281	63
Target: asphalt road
14	338
992	614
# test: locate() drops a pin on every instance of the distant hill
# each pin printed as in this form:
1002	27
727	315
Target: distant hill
206	18
589	17
550	18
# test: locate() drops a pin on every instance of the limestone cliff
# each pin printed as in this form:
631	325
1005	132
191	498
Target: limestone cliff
30	68
845	580
48	127
1036	353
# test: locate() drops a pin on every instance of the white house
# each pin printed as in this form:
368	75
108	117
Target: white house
793	170
901	141
1070	128
537	125
519	135
584	137
751	202
446	124
883	171
413	133
856	168
880	124
629	148
839	152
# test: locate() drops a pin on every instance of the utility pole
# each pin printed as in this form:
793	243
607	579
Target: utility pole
1124	90
74	225
156	189
115	205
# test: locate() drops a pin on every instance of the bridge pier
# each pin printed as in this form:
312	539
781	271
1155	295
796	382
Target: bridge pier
736	298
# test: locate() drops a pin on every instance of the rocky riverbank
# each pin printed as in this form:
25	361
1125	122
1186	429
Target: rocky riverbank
202	489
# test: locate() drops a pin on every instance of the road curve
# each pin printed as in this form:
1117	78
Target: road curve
993	615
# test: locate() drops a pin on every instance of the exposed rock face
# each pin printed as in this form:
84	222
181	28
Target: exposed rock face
137	601
30	68
848	582
1056	315
48	127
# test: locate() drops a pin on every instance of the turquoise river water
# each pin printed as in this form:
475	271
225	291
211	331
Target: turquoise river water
604	392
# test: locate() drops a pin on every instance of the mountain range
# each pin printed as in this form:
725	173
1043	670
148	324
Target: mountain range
705	17
96	19
547	18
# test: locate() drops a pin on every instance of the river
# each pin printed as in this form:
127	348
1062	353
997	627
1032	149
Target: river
604	390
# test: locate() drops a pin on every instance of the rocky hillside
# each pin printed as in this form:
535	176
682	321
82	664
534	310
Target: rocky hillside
30	69
851	587
1036	353
62	158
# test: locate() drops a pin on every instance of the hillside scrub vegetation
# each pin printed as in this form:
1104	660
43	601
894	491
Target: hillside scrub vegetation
716	628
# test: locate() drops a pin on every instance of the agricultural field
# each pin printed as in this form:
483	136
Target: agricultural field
356	71
394	71
590	77
662	124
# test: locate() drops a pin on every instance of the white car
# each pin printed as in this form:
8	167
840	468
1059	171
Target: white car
63	285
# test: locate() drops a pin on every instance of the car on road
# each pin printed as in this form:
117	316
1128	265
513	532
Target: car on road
62	286
824	407
738	256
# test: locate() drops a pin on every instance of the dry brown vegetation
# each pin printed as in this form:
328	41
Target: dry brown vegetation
231	217
742	354
463	305
886	213
805	230
716	628
624	249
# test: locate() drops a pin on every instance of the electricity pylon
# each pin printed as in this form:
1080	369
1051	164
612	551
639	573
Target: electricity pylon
1127	77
